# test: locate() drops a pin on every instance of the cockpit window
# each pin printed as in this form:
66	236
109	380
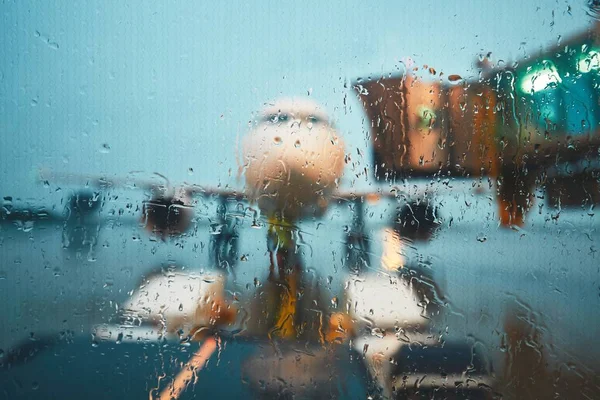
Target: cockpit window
277	118
283	117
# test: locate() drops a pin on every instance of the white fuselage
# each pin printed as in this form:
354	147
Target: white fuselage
293	159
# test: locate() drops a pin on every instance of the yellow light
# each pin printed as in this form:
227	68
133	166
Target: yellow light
539	79
393	257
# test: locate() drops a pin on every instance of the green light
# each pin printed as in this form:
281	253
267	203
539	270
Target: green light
539	78
427	117
589	62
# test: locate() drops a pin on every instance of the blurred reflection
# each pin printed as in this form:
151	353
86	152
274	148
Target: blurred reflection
402	308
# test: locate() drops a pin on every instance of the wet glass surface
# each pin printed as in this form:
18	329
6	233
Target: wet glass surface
304	201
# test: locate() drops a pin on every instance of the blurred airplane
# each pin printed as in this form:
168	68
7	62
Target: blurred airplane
293	160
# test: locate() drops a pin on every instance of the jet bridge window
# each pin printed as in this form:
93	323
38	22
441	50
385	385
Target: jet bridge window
580	104
542	98
562	96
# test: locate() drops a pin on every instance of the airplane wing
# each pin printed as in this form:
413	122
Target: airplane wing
208	191
370	197
131	181
156	183
23	215
168	212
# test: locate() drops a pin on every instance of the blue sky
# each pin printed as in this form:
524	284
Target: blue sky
108	87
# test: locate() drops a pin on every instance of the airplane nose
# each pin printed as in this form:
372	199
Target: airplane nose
292	168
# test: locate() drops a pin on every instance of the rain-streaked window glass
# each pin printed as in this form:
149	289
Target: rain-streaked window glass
299	200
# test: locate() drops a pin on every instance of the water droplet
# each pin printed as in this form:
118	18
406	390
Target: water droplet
105	148
454	78
277	140
334	302
377	332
